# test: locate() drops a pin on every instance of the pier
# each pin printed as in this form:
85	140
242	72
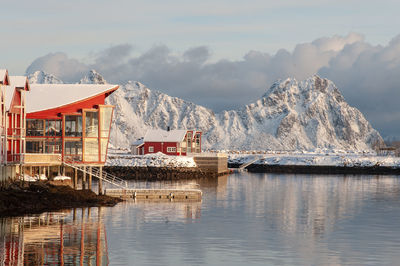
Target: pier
156	194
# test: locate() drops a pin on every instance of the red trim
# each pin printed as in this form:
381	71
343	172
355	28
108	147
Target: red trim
75	107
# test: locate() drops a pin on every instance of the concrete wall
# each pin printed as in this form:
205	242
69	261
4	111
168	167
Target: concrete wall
212	164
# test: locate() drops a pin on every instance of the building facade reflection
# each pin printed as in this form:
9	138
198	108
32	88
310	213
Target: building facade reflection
76	237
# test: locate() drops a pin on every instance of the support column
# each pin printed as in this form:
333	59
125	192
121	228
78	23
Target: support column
75	179
48	172
84	178
90	178
100	181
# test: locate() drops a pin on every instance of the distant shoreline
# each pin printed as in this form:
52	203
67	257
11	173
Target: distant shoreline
320	169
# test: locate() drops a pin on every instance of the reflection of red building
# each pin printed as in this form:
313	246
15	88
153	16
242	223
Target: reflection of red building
171	142
43	125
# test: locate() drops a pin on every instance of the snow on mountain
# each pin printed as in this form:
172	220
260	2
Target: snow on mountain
43	78
93	78
291	115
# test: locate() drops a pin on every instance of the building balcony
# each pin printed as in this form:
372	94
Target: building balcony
42	159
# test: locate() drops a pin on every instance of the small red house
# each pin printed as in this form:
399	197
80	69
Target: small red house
172	142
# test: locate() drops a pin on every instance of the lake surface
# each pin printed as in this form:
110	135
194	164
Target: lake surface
254	219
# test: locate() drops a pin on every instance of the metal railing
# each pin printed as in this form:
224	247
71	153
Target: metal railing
104	176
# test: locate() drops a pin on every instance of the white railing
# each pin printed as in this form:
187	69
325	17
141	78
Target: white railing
109	178
206	154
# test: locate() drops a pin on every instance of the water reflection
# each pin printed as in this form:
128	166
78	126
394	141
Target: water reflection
74	237
244	218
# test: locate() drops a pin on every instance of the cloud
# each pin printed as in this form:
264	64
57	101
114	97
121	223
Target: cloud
60	65
367	75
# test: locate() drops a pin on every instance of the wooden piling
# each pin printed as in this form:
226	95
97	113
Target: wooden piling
75	178
90	178
100	181
84	178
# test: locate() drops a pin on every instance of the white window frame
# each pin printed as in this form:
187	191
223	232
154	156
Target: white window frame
151	148
171	149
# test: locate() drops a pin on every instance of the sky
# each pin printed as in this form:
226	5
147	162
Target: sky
220	54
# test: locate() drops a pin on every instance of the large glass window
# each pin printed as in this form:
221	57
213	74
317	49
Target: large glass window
73	150
53	128
104	143
35	127
34	146
73	126
53	146
91	150
92	124
105	115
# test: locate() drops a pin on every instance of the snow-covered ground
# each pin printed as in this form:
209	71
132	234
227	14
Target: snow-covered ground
119	158
315	159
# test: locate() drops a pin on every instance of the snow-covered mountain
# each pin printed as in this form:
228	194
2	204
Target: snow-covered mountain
93	78
43	78
291	115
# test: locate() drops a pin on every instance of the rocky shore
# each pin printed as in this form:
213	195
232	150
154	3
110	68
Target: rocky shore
156	173
320	169
36	197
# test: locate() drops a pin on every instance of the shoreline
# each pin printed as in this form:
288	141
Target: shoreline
320	169
37	197
158	173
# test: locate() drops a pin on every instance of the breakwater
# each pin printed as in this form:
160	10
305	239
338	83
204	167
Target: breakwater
157	173
320	169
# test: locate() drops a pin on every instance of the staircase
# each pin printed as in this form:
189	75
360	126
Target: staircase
255	159
104	176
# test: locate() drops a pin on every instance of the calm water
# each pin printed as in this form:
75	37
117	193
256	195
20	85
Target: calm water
254	219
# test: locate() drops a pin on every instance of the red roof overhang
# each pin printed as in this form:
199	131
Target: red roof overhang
72	108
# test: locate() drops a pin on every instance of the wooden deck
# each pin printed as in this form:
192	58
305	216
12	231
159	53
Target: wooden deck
156	194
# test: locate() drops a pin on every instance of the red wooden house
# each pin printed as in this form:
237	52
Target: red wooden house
170	142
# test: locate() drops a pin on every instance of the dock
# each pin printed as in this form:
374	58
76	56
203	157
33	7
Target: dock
156	194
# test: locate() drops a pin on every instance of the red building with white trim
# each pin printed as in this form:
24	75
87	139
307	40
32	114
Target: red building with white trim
44	125
171	142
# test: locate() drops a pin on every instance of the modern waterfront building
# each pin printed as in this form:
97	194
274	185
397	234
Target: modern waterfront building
46	126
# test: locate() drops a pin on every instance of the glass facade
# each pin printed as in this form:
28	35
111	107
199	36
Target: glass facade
92	124
73	126
73	150
85	135
91	150
105	115
53	128
34	127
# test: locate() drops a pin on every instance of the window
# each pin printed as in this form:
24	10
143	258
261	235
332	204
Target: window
34	127
34	146
92	124
91	150
105	116
151	149
197	140
73	150
171	149
73	126
53	145
53	128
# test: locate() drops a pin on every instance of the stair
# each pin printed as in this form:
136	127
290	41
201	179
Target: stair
104	176
255	159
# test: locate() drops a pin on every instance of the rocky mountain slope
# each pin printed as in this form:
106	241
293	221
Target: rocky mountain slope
291	115
42	77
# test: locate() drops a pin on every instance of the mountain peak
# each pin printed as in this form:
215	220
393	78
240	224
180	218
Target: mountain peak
291	115
41	77
93	77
